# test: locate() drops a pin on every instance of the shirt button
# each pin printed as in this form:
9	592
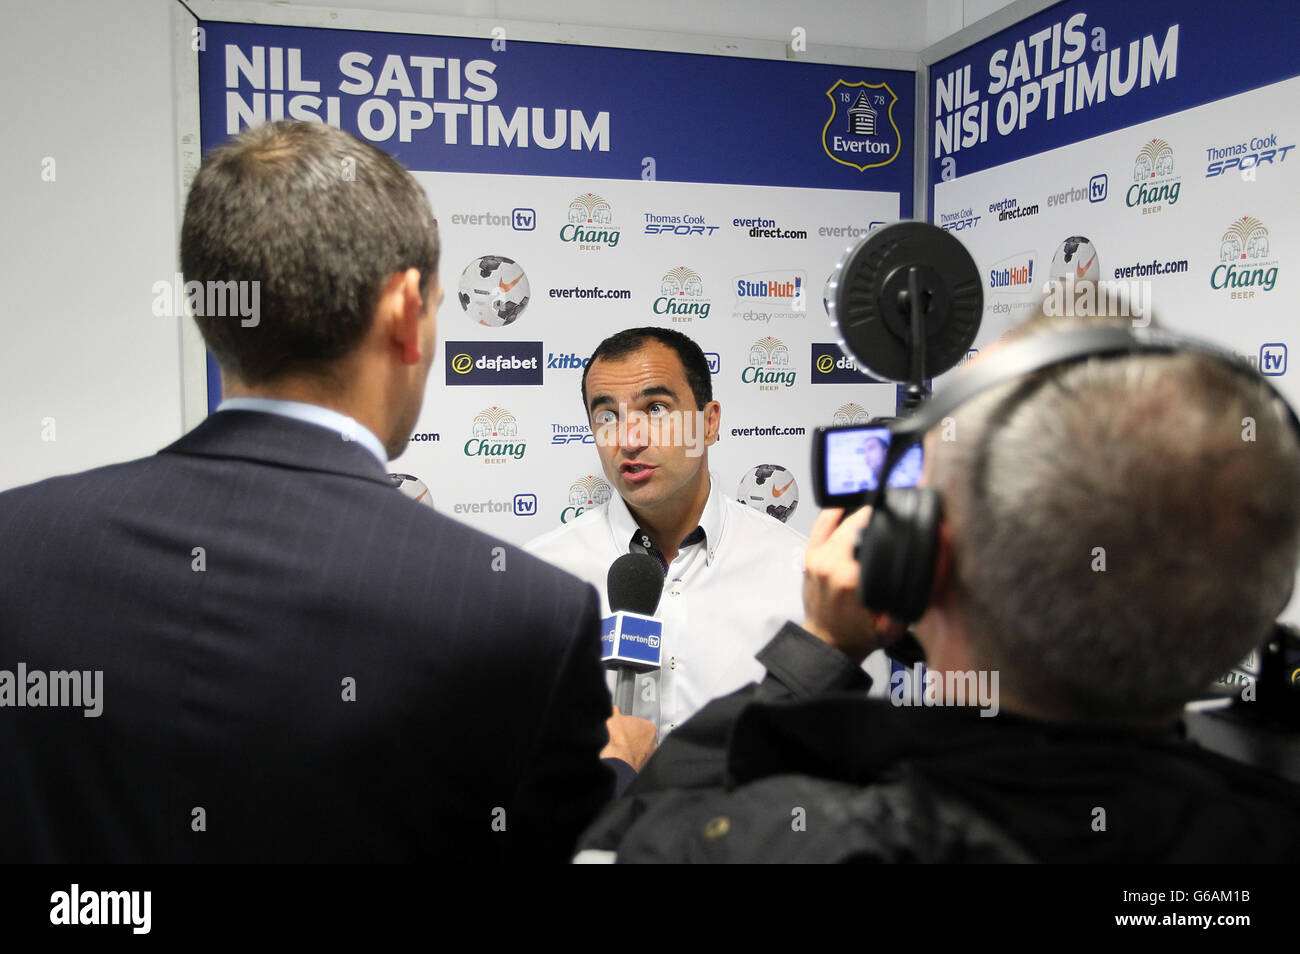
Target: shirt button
672	662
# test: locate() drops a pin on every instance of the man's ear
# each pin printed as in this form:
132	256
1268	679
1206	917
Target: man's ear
405	309
712	422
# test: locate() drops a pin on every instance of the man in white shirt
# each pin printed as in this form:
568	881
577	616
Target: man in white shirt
733	575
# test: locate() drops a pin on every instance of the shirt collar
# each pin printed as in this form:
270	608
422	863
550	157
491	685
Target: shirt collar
626	531
348	428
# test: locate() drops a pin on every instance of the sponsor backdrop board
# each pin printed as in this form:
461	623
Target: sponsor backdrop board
1147	148
1150	148
583	190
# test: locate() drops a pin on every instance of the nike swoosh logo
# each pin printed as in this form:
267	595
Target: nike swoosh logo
506	288
778	491
1081	270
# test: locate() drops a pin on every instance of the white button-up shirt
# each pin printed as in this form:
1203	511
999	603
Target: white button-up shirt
724	597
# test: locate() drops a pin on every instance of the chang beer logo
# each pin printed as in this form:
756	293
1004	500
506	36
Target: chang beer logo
1154	182
1245	263
861	131
851	413
769	365
584	493
681	295
590	224
495	437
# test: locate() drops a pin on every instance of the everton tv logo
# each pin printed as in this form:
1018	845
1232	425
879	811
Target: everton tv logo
861	131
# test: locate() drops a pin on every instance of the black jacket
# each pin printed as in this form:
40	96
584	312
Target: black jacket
803	767
343	675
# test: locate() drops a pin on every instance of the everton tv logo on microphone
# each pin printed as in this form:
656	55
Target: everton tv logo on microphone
861	131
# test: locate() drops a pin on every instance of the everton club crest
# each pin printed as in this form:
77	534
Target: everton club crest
861	131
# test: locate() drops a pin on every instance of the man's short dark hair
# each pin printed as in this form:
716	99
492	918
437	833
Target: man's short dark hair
1148	461
321	220
626	342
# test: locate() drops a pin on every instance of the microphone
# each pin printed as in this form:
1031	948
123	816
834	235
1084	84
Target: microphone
630	638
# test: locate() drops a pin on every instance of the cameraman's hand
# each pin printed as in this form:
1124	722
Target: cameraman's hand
830	589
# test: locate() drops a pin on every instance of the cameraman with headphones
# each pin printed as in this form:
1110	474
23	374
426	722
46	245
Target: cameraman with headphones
1108	520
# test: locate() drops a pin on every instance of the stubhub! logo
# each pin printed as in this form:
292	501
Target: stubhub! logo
493	362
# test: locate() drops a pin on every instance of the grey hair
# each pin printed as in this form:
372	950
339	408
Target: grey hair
1119	539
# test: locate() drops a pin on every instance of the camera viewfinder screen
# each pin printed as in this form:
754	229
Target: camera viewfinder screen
854	459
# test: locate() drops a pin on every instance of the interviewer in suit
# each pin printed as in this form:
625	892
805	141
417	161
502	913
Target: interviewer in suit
298	662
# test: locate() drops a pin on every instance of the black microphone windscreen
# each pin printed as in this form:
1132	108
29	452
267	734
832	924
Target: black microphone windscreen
635	583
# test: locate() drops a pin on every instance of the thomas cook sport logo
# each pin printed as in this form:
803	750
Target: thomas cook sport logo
1154	182
590	224
861	131
585	493
681	295
851	413
1245	262
769	365
495	437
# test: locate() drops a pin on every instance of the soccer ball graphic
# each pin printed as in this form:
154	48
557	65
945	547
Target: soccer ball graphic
493	290
413	487
1076	257
771	489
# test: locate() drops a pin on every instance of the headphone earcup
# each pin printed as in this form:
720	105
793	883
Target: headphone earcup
896	553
